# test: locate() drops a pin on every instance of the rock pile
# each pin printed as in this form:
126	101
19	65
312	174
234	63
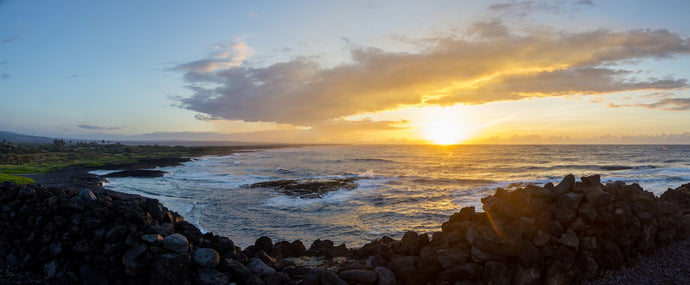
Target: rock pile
562	234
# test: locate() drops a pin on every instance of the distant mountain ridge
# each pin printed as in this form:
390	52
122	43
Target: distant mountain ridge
20	138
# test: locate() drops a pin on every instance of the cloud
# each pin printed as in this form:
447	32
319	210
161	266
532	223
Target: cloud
660	138
523	8
558	83
97	128
202	117
496	66
5	76
668	104
224	56
661	94
494	29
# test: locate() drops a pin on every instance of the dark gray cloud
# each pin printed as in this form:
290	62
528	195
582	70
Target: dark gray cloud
667	104
202	117
496	66
97	128
5	76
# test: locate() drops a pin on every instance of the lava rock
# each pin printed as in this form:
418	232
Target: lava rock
206	257
257	266
176	243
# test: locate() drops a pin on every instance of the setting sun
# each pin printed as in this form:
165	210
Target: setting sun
446	129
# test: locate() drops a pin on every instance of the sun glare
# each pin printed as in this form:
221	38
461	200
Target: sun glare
445	129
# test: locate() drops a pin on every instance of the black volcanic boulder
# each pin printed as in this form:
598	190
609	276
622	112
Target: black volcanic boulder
327	249
680	195
294	249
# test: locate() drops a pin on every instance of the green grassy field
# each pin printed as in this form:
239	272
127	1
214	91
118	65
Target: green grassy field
33	159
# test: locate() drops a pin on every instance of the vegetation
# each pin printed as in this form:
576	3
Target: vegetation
40	158
16	179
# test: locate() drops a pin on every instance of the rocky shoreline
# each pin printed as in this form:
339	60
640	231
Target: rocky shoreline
571	233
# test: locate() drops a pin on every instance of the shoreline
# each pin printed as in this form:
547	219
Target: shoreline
390	256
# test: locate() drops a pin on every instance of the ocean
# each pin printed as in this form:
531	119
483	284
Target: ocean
396	188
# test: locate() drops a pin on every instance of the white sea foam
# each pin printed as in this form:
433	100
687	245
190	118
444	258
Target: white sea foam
103	172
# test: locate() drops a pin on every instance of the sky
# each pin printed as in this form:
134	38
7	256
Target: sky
383	72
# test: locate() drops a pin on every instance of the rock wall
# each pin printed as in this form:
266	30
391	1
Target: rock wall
561	234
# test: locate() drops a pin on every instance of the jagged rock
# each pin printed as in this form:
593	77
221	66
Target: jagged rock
464	215
135	259
496	272
569	200
566	185
264	243
592	180
679	196
209	276
152	238
569	238
223	245
529	253
235	268
267	259
411	243
92	223
479	255
165	229
459	272
257	266
326	249
596	195
81	246
176	243
206	257
453	256
85	196
191	232
308	188
170	268
319	276
117	233
526	276
294	249
50	269
385	276
406	268
358	276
